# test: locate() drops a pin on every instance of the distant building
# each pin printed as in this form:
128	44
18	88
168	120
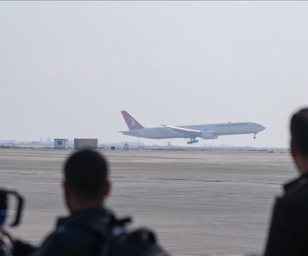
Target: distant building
60	143
85	143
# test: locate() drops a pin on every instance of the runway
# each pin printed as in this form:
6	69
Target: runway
198	202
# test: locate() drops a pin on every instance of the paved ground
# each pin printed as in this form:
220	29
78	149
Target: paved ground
199	202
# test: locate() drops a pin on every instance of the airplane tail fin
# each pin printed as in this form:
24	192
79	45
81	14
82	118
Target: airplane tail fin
132	123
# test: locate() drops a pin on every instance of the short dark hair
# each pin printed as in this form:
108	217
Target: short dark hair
86	173
299	131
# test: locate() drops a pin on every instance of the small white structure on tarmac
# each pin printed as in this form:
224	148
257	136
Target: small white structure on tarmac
85	143
60	143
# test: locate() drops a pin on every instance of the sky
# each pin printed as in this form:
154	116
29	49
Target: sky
67	69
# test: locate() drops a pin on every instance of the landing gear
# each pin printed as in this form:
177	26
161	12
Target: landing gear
254	135
192	140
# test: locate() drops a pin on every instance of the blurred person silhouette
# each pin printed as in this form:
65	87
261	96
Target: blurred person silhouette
91	229
288	232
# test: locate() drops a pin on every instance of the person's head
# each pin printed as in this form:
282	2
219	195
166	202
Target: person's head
85	180
299	139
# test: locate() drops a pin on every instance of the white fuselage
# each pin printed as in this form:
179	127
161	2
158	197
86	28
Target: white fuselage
214	129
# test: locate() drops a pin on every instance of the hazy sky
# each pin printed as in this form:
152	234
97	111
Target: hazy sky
67	69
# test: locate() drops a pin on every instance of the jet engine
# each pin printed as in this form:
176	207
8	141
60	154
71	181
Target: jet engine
208	135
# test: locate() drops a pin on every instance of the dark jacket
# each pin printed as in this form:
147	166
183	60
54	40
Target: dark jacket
288	234
74	235
92	232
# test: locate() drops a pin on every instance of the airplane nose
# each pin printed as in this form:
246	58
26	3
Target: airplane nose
262	127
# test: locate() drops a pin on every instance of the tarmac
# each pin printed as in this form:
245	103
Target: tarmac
199	202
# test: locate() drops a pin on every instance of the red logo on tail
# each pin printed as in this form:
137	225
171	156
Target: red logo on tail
131	122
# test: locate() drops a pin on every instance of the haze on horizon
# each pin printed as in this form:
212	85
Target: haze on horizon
67	69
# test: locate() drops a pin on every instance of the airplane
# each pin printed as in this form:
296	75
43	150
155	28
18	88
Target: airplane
191	132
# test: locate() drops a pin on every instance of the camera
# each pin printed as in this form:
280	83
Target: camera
6	198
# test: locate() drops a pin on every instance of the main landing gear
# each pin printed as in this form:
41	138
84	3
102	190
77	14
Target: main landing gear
254	135
192	140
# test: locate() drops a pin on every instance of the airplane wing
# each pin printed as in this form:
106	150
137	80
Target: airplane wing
189	133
